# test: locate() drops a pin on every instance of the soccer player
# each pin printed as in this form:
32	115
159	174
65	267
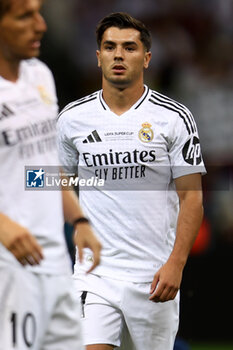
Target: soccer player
37	307
145	147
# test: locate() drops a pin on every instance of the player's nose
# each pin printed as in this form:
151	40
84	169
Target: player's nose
119	52
40	24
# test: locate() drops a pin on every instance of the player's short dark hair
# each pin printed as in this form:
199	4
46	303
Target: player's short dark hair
123	20
4	7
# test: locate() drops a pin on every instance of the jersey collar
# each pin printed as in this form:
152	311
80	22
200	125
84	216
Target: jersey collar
135	106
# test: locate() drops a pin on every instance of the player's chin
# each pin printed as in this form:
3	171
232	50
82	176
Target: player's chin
120	82
30	54
35	52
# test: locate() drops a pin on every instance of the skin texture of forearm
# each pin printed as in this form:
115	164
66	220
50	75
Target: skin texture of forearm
167	279
189	222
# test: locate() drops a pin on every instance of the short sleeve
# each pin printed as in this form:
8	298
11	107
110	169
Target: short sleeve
185	149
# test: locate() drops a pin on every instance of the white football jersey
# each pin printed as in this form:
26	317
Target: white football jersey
133	159
28	111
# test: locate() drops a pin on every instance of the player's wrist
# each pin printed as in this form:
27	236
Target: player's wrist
80	220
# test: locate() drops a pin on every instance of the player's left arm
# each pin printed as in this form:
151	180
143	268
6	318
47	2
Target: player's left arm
84	236
167	280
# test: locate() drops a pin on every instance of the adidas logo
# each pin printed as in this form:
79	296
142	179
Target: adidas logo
93	137
5	112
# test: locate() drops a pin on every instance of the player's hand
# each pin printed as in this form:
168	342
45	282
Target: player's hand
20	243
166	282
85	238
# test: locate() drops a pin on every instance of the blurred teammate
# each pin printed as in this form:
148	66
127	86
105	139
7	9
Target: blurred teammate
37	306
145	147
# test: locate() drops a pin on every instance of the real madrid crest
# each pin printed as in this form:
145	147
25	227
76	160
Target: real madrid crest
44	94
146	133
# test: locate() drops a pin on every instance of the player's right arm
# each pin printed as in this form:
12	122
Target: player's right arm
19	241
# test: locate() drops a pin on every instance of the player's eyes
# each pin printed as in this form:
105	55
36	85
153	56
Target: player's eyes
130	48
108	47
25	15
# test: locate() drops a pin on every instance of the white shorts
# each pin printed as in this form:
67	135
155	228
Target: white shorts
120	313
37	312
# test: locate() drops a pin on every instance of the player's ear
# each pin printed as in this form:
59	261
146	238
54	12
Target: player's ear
147	59
98	57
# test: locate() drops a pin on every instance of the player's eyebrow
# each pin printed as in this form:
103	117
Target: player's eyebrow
125	43
130	43
109	42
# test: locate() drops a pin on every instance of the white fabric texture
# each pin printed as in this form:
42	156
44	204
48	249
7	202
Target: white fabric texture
28	110
120	313
138	154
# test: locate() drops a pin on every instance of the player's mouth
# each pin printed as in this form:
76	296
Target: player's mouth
35	44
118	68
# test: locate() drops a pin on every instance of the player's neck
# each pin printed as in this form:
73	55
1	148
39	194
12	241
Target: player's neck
9	70
120	100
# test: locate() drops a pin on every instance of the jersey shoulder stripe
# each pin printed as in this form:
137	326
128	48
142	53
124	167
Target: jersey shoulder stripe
178	106
174	110
78	102
174	106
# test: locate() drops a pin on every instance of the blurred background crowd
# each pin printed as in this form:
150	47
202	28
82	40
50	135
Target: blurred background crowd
192	62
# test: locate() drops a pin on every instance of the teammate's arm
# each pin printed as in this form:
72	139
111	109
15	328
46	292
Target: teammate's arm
19	241
83	234
167	280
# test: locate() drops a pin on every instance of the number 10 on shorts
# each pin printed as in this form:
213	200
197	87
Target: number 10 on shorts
26	325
